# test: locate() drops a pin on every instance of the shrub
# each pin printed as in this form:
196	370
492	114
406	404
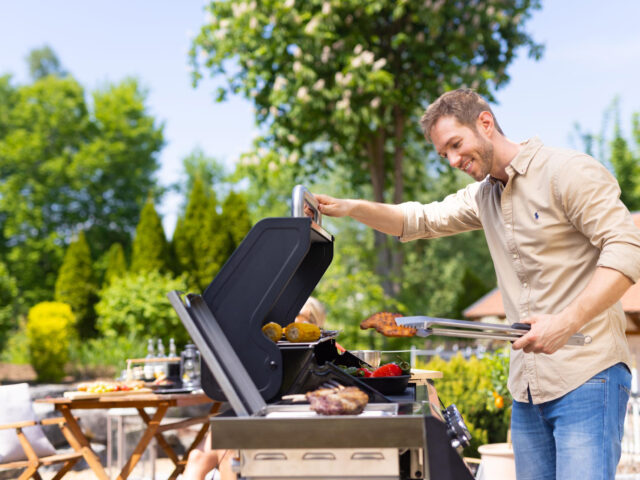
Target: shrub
50	327
470	385
137	306
104	356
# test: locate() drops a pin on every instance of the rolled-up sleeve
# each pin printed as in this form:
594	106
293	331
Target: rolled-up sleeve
457	213
591	199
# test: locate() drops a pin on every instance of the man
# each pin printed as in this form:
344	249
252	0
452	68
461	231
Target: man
565	249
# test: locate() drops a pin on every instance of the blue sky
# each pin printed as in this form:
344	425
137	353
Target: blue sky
592	55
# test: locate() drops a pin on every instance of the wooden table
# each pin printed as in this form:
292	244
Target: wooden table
138	401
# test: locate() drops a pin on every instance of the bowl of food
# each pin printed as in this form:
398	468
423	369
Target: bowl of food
371	357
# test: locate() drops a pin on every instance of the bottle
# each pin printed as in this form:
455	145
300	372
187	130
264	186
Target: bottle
173	367
149	367
160	367
190	367
172	348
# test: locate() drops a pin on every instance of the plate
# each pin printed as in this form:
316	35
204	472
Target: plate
387	385
90	395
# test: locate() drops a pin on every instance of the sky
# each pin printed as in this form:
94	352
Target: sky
592	55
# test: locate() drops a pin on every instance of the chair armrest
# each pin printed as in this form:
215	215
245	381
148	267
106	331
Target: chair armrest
27	423
54	421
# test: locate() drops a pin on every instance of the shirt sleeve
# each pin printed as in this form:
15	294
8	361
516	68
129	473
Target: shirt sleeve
590	196
457	213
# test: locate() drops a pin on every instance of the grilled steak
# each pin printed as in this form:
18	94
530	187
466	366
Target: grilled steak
385	323
338	401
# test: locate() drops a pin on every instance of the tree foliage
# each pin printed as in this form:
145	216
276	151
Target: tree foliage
116	264
70	164
8	304
343	83
150	250
76	285
44	61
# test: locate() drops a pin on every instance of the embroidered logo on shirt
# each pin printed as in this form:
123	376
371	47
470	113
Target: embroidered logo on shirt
536	215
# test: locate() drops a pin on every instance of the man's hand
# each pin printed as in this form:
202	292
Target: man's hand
332	207
548	334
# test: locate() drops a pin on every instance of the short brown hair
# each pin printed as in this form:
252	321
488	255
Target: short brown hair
463	104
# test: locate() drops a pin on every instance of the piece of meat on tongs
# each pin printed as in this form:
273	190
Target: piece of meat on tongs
338	401
385	323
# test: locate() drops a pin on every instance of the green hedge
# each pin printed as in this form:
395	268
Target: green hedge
478	388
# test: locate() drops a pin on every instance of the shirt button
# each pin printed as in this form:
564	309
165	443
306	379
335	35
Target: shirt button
515	256
525	285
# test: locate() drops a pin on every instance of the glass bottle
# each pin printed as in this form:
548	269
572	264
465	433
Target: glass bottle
190	367
149	367
160	367
172	348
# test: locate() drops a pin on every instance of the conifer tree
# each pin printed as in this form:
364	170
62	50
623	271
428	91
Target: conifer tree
198	241
75	284
235	219
150	248
116	264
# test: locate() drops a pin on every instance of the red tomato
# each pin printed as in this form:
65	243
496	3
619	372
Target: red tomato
388	370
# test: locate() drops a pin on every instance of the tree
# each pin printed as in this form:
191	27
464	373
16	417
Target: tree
44	61
199	242
198	164
343	83
75	285
8	304
150	248
62	168
116	264
235	219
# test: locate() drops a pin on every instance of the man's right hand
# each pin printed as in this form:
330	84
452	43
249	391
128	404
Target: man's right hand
383	217
332	207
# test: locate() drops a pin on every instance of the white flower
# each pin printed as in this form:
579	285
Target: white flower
326	53
220	34
347	94
312	25
303	94
378	64
294	157
326	8
224	23
202	55
279	83
367	57
347	78
339	78
358	49
292	138
297	66
250	63
272	166
420	37
338	45
356	61
343	104
319	85
289	3
253	23
273	111
208	17
296	51
375	103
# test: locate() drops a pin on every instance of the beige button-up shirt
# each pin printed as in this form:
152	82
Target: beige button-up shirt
558	217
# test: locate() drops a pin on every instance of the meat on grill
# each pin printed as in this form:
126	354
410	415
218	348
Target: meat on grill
338	401
385	323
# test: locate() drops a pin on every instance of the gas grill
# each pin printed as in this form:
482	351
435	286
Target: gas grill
268	279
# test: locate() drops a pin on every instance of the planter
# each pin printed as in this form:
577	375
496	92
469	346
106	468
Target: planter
497	462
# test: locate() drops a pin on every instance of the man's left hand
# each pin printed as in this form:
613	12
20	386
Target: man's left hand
548	333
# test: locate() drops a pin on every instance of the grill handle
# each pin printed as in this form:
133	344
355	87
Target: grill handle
304	204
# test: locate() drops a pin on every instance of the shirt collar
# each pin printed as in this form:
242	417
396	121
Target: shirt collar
521	161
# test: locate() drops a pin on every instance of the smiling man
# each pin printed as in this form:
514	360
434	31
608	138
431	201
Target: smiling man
565	249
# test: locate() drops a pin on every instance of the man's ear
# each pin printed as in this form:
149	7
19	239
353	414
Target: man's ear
485	123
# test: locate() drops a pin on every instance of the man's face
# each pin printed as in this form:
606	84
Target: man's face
463	147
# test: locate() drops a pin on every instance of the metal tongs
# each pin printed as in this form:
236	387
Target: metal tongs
427	326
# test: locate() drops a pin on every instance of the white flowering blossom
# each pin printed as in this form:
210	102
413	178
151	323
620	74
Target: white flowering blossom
250	63
273	111
326	8
326	53
375	103
279	83
292	138
253	23
294	157
358	49
203	55
296	51
272	166
303	94
224	23
319	85
380	63
289	3
208	17
297	66
420	37
338	45
367	57
220	34
343	104
312	25
356	61
239	9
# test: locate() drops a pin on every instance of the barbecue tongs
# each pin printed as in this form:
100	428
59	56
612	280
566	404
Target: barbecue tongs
427	326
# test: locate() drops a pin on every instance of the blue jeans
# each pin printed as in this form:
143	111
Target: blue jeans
576	436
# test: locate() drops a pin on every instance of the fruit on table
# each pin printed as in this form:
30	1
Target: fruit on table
388	370
273	331
107	386
302	332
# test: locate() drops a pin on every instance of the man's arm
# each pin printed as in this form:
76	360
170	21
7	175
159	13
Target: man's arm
550	332
383	217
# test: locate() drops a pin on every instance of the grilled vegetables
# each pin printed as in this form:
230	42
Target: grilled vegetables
302	332
273	331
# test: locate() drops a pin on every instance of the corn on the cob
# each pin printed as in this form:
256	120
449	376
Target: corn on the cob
273	331
302	332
